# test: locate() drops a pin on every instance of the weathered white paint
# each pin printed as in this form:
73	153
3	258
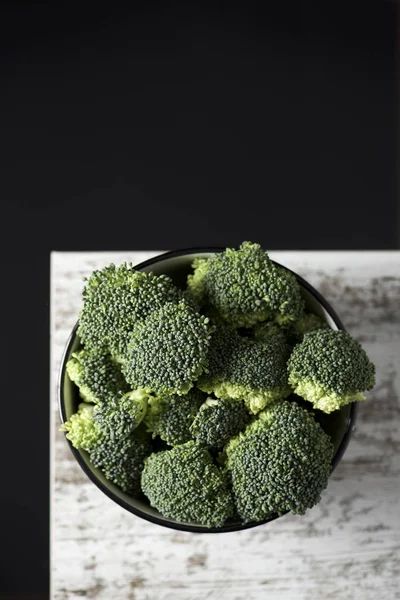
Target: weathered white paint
346	548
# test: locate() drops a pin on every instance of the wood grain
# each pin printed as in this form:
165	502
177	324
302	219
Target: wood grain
347	547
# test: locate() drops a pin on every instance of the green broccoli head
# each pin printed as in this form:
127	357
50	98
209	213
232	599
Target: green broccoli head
244	369
121	415
184	484
122	459
219	420
330	369
115	299
281	462
118	453
243	287
170	417
97	376
168	350
284	297
80	429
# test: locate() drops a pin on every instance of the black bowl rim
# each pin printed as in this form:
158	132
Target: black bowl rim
160	521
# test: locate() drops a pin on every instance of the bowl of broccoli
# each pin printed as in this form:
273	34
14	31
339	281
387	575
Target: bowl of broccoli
209	389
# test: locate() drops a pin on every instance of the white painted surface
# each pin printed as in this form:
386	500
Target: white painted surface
346	548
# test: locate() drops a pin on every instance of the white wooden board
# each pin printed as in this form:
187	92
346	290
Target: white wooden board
346	548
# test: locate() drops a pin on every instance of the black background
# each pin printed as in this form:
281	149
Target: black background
166	125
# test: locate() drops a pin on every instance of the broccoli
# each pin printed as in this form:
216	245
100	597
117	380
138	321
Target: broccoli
81	430
243	287
170	417
119	417
240	334
120	458
281	462
168	351
330	369
115	300
245	369
184	484
97	376
219	420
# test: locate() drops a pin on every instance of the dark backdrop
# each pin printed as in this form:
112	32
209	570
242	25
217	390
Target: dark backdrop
167	125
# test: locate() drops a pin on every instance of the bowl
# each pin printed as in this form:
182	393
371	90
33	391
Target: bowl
177	264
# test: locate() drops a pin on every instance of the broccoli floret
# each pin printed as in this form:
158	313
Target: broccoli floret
81	429
119	417
244	369
184	484
243	287
97	376
330	369
170	417
122	459
219	420
281	462
115	300
168	351
284	297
